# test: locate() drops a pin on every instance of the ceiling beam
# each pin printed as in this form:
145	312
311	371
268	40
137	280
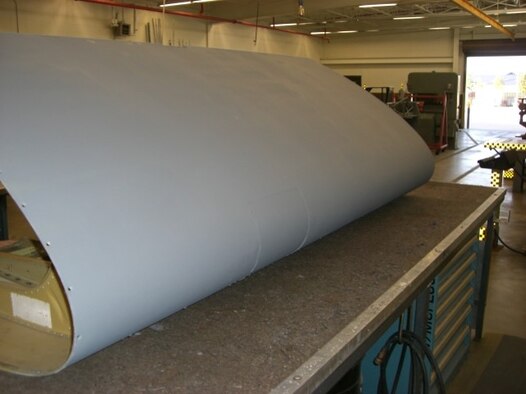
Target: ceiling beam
485	17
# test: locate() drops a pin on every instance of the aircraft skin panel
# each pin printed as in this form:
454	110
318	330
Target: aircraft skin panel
155	176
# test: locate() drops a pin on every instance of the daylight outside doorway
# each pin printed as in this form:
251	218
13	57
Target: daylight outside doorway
493	86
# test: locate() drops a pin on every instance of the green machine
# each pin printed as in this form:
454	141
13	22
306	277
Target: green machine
436	96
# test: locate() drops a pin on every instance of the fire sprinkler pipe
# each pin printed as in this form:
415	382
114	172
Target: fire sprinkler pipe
193	15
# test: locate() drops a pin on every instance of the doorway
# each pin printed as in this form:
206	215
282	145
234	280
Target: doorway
493	86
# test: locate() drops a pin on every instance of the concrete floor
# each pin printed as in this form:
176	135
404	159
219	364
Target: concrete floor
506	307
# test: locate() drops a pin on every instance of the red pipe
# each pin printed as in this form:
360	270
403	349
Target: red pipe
192	15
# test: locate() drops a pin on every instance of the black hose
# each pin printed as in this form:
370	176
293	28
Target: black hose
509	247
399	369
16	16
419	352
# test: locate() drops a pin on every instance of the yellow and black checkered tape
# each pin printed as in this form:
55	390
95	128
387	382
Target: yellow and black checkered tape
508	174
496	178
482	233
506	145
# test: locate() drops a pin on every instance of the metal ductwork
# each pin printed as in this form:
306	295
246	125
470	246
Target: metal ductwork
155	176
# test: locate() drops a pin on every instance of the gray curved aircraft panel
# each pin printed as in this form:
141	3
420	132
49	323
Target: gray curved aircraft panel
155	176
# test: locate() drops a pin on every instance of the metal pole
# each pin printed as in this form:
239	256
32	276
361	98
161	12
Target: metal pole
480	302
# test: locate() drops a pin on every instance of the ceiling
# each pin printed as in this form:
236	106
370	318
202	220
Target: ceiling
346	16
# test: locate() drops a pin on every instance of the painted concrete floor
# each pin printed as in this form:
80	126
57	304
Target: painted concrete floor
506	304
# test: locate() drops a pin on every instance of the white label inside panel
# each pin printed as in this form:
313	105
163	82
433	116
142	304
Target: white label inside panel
31	310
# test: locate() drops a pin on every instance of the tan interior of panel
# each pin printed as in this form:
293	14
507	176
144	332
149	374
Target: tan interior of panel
35	321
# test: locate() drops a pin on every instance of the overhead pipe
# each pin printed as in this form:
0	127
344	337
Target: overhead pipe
483	16
193	15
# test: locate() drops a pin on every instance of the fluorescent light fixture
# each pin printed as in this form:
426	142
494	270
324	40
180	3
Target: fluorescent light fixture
317	33
403	18
186	2
516	11
439	28
510	25
283	24
377	5
372	31
288	24
175	4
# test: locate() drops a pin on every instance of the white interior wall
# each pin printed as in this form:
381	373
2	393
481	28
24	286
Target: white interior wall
387	75
79	19
231	36
386	60
55	17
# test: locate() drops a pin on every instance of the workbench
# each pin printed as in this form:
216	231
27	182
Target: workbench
504	144
295	325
